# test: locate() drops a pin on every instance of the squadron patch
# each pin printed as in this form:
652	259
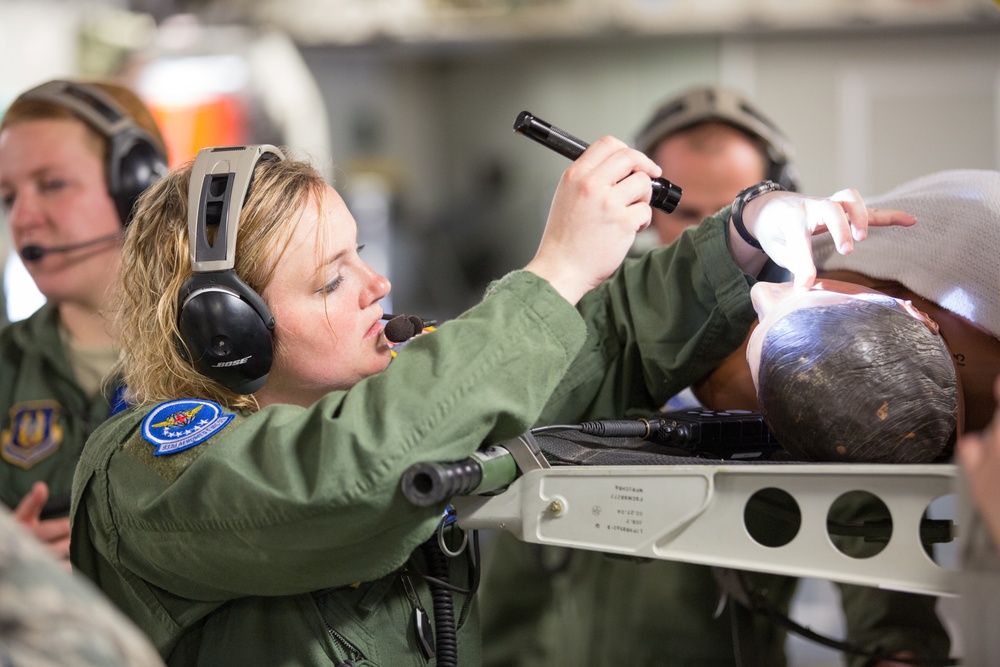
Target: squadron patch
178	425
34	433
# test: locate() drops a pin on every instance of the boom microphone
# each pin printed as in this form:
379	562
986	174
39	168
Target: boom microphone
401	328
33	253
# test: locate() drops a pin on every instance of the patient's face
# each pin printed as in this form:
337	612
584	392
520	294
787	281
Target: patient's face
774	301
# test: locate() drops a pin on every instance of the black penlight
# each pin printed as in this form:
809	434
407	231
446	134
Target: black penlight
666	195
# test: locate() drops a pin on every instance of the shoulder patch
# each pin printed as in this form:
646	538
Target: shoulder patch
177	425
34	434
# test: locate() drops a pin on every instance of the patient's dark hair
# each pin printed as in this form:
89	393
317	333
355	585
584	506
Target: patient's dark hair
858	381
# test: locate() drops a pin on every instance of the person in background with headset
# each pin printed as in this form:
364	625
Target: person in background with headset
74	156
551	607
247	509
714	143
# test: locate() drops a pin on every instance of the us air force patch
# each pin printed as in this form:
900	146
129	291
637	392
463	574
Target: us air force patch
178	425
34	434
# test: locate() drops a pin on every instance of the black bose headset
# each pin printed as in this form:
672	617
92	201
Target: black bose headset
225	326
715	103
135	160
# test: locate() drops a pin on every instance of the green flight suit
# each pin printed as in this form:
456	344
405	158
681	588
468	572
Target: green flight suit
45	416
243	549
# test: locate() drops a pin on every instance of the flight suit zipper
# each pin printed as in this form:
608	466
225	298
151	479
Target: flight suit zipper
354	654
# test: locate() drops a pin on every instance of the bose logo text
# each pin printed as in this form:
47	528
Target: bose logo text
237	362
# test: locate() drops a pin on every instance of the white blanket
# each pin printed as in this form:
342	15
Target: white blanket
951	256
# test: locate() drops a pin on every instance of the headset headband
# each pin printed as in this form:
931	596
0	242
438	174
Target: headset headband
135	159
220	179
224	326
90	103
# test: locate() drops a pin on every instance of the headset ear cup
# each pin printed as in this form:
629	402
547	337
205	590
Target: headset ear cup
226	337
136	163
785	175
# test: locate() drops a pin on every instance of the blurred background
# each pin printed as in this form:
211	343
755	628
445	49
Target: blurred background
408	105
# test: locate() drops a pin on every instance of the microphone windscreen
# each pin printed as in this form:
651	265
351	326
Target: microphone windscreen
400	329
30	253
418	324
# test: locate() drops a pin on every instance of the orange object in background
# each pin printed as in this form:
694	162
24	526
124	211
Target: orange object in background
219	121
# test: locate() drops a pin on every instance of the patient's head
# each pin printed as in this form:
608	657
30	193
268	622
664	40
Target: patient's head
847	374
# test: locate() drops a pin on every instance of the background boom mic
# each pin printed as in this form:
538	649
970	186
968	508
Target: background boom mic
32	253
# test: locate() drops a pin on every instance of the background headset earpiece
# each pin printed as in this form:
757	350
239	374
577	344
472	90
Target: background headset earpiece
135	160
721	104
225	326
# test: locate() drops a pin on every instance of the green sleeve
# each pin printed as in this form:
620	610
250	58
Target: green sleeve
312	496
666	319
890	621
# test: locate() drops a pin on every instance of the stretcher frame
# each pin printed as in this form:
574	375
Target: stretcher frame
694	513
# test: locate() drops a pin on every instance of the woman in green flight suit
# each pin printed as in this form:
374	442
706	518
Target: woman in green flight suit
263	522
74	156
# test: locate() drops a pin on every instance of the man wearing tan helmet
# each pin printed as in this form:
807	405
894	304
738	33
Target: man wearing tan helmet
713	143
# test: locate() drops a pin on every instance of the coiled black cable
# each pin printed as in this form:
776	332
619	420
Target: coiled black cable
445	635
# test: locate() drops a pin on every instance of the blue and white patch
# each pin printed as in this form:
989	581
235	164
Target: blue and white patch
178	425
